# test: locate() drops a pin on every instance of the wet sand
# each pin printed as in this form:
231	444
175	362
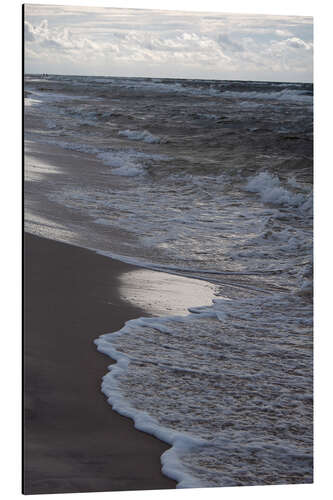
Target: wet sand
73	440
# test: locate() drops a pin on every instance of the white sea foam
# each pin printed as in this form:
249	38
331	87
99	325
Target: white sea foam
269	188
142	135
128	163
213	385
31	101
124	163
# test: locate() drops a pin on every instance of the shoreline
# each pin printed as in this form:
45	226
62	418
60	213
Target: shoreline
73	440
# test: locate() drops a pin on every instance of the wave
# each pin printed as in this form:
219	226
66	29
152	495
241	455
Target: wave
280	95
127	163
269	187
142	135
30	101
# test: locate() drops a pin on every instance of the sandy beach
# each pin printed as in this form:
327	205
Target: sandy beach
73	441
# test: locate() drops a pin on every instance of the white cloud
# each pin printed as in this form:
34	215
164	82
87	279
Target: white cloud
283	33
28	32
297	43
155	43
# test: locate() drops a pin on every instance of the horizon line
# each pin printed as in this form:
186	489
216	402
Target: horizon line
169	78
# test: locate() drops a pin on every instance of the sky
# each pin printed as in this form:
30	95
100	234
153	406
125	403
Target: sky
156	43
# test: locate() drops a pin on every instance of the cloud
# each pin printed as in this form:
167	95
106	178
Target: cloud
282	33
297	43
28	32
133	46
152	43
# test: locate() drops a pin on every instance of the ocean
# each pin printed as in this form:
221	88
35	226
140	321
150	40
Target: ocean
210	180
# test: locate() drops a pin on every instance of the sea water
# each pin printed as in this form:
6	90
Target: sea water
210	180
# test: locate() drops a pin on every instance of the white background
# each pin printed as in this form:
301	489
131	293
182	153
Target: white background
10	244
